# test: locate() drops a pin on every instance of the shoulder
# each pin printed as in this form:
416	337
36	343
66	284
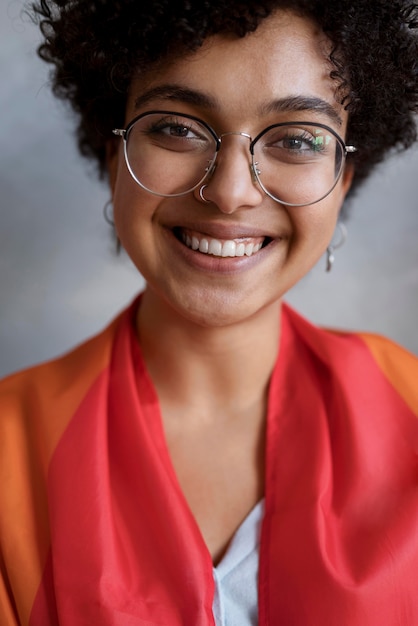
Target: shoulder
364	357
50	392
53	374
335	342
399	366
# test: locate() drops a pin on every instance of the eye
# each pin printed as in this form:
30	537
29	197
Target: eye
296	144
298	140
176	128
172	132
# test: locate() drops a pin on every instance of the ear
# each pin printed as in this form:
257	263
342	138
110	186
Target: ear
347	177
112	162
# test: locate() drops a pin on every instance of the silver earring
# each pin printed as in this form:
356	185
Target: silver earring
108	215
202	197
335	244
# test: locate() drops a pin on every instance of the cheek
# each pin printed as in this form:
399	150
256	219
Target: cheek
133	217
124	207
133	207
313	230
316	223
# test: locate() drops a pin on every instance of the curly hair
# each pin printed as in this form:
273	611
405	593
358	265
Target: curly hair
97	46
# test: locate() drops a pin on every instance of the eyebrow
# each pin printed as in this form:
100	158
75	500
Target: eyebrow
289	104
303	103
176	93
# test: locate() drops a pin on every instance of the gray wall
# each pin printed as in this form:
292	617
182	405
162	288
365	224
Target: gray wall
59	277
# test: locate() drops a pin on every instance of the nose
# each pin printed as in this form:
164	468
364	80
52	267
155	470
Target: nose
231	185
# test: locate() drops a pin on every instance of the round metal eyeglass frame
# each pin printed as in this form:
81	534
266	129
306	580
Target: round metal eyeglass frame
125	132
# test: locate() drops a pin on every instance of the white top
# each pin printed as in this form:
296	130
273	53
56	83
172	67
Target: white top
236	577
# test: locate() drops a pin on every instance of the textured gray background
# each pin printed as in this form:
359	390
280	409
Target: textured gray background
59	278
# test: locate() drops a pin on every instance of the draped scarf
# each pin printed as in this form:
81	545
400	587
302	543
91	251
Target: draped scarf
95	529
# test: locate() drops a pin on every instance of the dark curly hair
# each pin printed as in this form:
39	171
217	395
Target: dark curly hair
97	46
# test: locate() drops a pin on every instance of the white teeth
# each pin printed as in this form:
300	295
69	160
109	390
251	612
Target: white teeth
240	250
249	249
204	246
229	248
214	247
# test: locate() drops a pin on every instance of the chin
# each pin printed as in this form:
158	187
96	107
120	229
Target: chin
209	309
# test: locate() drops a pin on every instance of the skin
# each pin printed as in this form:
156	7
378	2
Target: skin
209	326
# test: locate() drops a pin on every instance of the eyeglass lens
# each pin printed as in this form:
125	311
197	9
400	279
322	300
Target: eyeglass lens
171	154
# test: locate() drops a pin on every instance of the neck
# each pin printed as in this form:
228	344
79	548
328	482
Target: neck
225	369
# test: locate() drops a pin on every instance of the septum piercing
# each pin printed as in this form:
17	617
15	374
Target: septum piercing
202	197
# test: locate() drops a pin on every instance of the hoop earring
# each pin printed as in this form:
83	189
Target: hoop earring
108	215
202	197
334	246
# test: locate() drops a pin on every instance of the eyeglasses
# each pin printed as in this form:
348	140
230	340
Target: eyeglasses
170	154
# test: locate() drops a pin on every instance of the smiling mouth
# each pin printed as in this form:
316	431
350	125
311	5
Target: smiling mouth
239	247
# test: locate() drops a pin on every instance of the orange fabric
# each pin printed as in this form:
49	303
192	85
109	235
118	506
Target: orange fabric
94	527
35	408
398	366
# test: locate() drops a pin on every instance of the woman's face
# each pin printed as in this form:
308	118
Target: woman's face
233	85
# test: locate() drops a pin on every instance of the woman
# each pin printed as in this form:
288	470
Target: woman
212	458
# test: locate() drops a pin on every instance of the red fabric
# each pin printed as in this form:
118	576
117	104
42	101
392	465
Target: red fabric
339	540
125	548
340	536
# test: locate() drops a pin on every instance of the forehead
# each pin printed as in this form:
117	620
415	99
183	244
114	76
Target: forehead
286	57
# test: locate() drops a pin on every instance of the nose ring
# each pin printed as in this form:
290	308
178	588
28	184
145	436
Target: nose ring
202	197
